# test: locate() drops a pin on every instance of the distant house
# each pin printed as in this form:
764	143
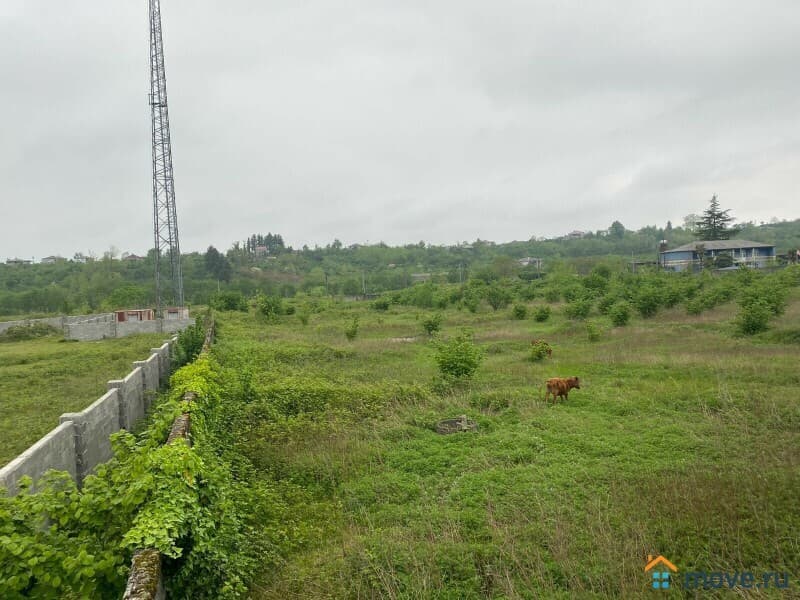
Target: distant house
740	252
420	277
262	251
18	261
51	260
575	235
133	258
530	261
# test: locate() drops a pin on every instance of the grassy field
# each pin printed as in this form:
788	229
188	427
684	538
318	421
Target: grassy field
41	379
683	440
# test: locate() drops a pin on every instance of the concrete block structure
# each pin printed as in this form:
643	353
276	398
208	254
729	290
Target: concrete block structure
81	441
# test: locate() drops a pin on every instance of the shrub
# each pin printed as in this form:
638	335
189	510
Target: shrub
773	295
578	309
753	318
620	314
606	302
594	332
269	306
432	324
647	301
351	331
541	314
539	350
574	292
497	296
290	309
472	302
595	283
189	344
519	312
381	304
459	358
304	314
227	301
552	294
527	292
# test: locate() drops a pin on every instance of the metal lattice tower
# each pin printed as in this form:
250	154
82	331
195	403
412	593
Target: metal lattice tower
165	218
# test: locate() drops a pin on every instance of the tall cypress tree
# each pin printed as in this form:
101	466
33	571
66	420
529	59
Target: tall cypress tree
714	223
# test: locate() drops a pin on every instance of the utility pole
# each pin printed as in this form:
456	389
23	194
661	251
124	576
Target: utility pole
165	218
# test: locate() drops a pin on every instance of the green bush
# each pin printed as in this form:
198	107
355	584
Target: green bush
519	312
770	293
620	314
647	301
351	331
574	291
606	302
527	292
227	301
753	318
189	344
382	304
432	324
541	314
459	358
269	306
594	332
472	302
552	294
497	296
539	350
578	309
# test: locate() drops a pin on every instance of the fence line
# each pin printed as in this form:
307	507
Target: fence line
81	440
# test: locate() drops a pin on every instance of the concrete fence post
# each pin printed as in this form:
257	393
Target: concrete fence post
119	384
78	421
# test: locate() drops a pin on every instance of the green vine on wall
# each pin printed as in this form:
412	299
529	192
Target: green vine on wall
193	503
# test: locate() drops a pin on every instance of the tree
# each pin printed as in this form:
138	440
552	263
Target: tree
690	222
714	224
217	265
617	230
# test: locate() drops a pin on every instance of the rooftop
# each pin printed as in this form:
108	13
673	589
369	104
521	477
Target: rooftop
720	245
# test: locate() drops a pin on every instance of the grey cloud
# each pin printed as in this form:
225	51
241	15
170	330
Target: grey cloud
393	121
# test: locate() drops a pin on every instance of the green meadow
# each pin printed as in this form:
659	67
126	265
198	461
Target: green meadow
684	440
40	379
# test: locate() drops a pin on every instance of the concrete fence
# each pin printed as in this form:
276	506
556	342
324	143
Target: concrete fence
98	330
81	440
101	326
57	322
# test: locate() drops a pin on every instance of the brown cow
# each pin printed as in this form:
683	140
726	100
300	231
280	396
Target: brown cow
560	386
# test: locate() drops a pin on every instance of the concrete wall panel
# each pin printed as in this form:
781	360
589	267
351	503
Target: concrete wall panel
131	398
56	450
94	426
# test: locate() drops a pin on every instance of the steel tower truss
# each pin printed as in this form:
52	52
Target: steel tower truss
165	218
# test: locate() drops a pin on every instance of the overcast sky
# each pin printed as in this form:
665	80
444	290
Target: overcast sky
370	120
